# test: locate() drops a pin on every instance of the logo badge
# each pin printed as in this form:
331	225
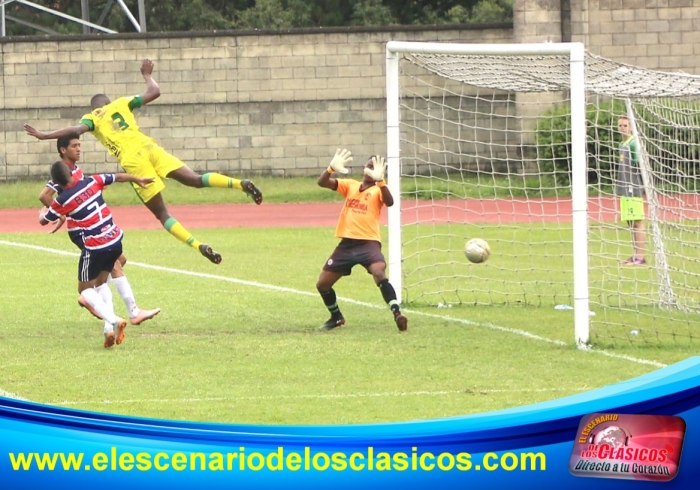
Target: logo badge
628	447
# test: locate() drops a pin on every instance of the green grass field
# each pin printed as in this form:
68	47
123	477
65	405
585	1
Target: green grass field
238	342
23	193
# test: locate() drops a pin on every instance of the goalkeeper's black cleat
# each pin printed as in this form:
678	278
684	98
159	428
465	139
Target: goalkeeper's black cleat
206	250
333	322
252	191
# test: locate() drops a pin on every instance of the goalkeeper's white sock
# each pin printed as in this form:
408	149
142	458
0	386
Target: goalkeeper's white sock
95	300
127	294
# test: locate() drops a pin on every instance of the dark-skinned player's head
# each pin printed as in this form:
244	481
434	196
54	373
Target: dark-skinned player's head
99	100
61	174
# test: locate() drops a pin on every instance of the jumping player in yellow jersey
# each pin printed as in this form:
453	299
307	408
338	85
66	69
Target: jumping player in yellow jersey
114	125
358	230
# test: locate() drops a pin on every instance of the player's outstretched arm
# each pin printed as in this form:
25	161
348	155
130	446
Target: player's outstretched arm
46	196
152	89
54	135
338	163
43	221
376	173
139	181
326	180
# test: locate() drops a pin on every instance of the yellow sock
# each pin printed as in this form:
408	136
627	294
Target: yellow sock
218	180
178	231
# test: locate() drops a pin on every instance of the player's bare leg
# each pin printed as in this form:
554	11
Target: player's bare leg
156	205
190	178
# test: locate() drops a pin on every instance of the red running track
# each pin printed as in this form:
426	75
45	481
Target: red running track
674	208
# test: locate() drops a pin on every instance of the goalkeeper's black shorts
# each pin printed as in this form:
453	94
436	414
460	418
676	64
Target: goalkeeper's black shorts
351	252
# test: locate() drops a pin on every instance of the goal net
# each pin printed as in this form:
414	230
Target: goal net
516	145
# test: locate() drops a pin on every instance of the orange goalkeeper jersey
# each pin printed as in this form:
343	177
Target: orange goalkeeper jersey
360	216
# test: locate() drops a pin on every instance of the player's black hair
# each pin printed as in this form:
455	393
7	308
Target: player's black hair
64	141
99	100
60	173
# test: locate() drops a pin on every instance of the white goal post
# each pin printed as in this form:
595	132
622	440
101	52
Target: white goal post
582	174
576	82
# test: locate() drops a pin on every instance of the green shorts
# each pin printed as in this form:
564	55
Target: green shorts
631	208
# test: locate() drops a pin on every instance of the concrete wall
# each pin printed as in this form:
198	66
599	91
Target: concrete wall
655	34
281	102
240	104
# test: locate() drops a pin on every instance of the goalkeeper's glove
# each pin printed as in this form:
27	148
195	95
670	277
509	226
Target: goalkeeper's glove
341	158
376	173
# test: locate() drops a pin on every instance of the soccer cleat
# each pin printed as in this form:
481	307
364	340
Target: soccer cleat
206	250
640	262
634	261
401	322
333	322
144	315
252	191
109	339
83	302
120	331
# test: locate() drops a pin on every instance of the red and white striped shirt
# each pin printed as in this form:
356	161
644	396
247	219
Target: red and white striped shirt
87	215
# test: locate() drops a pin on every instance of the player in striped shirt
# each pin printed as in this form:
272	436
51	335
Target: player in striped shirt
358	230
114	125
88	218
69	150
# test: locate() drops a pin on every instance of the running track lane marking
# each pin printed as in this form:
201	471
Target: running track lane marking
490	326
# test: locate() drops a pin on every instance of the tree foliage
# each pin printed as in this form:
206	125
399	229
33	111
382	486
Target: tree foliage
208	15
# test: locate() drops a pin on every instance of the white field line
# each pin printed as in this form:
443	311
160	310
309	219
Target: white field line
490	326
475	391
7	394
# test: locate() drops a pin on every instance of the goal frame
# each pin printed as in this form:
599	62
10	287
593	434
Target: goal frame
576	53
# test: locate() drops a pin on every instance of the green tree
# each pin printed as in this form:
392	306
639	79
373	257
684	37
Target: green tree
491	11
206	15
371	13
275	14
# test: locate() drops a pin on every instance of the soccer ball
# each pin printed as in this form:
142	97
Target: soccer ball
477	250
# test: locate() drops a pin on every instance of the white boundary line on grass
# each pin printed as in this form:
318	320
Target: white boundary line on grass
514	331
7	394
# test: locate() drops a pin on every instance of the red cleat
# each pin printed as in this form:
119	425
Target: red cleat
120	331
109	340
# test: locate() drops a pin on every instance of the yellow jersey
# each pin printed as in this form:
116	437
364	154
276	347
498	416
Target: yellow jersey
114	125
359	218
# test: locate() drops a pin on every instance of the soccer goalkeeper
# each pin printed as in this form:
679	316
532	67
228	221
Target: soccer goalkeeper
114	125
358	230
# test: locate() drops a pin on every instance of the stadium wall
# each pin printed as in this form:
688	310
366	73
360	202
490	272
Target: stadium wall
281	102
244	104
